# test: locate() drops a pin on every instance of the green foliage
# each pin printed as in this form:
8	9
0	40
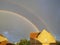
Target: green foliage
28	43
23	42
58	42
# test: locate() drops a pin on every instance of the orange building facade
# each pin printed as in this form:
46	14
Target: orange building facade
33	41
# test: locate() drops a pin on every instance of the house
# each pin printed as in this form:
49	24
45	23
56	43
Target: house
3	40
33	36
42	38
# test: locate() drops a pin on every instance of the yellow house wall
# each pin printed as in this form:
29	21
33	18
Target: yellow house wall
46	37
45	44
4	43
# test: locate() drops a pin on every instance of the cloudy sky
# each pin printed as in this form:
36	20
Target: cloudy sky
42	13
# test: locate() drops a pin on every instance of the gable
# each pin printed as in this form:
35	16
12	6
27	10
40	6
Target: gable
34	34
46	37
33	41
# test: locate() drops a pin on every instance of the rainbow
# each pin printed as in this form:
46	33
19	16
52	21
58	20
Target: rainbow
4	11
28	9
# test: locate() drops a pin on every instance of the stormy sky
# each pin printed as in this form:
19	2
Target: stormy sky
42	13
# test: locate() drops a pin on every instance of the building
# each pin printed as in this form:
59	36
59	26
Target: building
33	36
42	38
3	40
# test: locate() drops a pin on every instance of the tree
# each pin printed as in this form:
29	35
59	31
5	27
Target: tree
58	42
28	42
23	42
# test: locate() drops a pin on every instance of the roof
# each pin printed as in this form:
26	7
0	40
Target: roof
46	37
34	34
2	38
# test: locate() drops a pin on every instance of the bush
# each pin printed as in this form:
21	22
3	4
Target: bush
23	42
58	42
